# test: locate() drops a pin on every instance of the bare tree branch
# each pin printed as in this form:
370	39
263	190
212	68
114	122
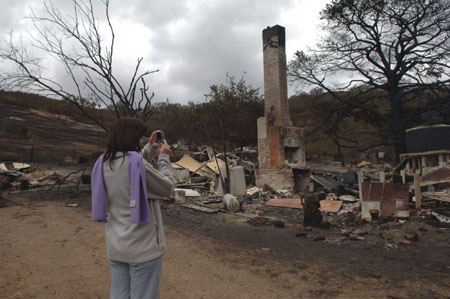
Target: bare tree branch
75	42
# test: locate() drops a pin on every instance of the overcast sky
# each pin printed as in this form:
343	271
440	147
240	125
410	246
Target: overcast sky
194	43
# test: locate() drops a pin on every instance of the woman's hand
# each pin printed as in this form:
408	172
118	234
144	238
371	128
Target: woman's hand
152	140
165	149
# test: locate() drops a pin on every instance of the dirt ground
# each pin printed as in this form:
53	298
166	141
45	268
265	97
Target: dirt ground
50	250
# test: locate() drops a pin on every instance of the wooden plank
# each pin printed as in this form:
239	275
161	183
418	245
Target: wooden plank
200	208
417	193
360	180
438	196
294	203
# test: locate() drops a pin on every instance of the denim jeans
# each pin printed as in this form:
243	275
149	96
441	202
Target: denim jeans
136	281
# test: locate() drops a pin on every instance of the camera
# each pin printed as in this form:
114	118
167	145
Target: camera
160	137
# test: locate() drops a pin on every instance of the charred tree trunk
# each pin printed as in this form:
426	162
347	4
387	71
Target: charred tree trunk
396	123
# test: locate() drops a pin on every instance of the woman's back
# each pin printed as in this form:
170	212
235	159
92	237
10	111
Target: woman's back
127	242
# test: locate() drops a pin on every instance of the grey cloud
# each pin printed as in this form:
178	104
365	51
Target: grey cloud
220	39
213	38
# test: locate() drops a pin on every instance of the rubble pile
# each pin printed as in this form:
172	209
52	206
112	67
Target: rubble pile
357	203
16	178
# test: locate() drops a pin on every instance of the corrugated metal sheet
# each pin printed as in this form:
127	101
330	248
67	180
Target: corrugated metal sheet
439	174
386	194
327	182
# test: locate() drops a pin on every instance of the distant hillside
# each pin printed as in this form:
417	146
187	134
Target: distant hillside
45	104
38	129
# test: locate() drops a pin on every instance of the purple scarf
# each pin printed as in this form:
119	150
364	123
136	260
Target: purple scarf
139	209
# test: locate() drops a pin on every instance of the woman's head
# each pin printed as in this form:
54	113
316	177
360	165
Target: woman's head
125	135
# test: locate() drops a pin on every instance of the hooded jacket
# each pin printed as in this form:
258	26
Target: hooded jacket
135	243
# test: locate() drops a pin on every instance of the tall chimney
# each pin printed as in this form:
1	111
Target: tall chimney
276	109
281	148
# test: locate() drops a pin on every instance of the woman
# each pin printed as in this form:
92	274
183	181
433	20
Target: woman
131	187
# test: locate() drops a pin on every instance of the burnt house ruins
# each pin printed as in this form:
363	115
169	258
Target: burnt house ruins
281	148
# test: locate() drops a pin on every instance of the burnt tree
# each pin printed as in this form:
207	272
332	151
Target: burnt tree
75	43
390	51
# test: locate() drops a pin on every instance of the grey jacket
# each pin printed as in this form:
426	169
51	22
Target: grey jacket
136	243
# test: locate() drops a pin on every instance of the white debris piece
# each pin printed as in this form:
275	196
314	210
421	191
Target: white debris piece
189	192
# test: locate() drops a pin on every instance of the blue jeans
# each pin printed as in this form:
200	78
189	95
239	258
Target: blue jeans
136	281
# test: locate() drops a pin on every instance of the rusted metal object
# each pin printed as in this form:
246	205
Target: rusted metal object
312	215
294	203
386	194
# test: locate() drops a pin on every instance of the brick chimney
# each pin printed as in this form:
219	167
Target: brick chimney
275	79
281	150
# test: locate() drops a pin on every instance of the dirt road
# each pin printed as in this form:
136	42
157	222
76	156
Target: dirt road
49	250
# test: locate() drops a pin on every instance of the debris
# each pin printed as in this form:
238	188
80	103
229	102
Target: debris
283	192
345	232
441	196
52	175
405	242
312	215
231	203
348	198
360	232
436	175
257	221
180	175
350	178
278	223
382	197
294	203
85	179
363	163
10	173
15	166
213	165
189	192
374	214
21	166
196	167
319	238
72	205
350	208
253	191
355	237
412	236
390	246
327	182
259	212
441	218
331	196
331	206
301	234
24	185
296	226
200	208
237	181
180	196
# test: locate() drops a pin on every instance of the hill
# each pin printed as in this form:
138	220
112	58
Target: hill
39	129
